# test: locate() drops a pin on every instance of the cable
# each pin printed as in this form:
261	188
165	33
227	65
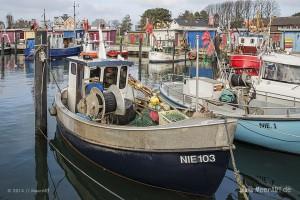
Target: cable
242	187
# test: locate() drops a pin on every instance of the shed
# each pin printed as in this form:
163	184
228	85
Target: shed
191	37
109	35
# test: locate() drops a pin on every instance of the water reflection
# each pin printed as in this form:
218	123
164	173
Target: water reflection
19	155
267	169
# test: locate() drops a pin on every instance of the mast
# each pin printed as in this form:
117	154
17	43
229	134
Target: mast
74	7
45	18
197	72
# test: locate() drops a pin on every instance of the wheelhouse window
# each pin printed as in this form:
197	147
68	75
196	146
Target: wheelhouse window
110	76
242	40
123	77
282	72
95	73
73	68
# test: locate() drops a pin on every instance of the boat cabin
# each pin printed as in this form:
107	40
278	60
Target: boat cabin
250	44
281	68
100	73
279	78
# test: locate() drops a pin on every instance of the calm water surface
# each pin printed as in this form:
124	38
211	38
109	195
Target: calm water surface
26	166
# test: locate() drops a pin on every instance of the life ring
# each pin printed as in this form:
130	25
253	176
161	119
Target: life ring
192	55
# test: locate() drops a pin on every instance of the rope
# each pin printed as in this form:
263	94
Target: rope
76	167
242	187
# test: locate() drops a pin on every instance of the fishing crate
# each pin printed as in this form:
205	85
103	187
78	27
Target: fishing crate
166	117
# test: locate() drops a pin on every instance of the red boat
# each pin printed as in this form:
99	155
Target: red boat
245	64
115	53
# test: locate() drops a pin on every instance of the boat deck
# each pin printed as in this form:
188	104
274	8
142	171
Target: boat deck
173	93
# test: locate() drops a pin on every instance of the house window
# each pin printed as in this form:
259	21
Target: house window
123	77
110	76
73	68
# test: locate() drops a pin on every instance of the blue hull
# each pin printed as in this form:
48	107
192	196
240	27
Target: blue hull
277	135
56	53
159	169
65	52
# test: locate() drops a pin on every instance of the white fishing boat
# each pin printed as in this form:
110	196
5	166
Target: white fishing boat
163	52
267	106
105	119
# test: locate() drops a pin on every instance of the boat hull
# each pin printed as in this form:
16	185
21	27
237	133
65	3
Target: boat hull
189	156
65	52
55	53
160	57
281	135
168	170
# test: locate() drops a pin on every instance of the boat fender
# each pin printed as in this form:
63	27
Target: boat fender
52	110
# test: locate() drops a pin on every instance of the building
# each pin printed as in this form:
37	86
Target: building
133	37
64	22
109	35
181	29
285	33
11	35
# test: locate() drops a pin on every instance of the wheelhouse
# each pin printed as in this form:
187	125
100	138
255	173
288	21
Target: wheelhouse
281	68
84	74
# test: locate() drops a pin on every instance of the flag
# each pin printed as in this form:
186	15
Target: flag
205	38
210	49
211	20
149	28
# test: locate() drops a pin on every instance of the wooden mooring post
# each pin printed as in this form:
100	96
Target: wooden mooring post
140	58
173	58
121	46
40	77
41	140
2	47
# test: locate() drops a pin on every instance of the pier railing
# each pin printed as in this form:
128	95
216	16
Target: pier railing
189	102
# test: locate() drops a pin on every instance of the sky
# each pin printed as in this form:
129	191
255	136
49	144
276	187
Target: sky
112	9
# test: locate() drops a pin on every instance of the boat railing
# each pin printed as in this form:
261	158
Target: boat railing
189	102
268	95
173	78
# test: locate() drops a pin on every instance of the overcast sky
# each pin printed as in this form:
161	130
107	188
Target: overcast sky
112	9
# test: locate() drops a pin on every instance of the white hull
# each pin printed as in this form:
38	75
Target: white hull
161	57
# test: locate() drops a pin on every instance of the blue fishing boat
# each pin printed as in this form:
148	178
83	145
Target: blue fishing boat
97	114
59	47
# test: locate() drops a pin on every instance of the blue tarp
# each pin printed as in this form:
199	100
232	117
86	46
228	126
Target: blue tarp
191	37
30	43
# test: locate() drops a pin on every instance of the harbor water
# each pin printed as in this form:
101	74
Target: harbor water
67	175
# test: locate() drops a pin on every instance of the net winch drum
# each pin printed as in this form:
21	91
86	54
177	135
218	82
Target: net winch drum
242	80
97	103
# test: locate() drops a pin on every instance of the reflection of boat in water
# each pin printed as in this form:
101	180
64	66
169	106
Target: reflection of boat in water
269	169
88	189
